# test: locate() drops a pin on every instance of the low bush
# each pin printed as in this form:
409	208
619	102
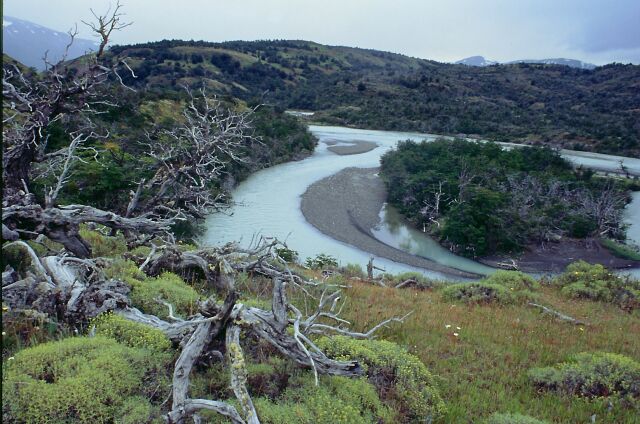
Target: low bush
168	287
503	287
84	380
513	280
478	293
129	333
592	375
498	418
337	400
421	282
582	280
102	245
145	291
321	261
287	255
401	379
352	271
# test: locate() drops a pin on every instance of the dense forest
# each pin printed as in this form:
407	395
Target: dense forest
593	110
479	198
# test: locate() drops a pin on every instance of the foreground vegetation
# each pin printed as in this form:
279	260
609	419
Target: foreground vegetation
479	198
486	357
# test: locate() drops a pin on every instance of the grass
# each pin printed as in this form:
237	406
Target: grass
484	369
621	250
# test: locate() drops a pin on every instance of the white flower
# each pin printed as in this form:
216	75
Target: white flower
447	326
458	328
456	334
11	358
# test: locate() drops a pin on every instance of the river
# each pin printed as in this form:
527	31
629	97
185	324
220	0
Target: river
268	204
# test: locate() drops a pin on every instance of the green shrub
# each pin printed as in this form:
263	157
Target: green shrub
399	376
582	280
478	293
352	271
287	255
129	333
421	281
498	418
337	400
505	287
83	380
170	288
591	375
513	280
102	245
321	261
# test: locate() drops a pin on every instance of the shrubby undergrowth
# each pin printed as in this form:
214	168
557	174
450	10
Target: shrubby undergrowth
84	380
592	375
582	280
503	287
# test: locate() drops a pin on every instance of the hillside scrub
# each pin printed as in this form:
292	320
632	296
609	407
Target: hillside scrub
479	199
582	280
531	103
591	375
502	287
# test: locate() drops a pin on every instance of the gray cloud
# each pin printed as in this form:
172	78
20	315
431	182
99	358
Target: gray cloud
598	31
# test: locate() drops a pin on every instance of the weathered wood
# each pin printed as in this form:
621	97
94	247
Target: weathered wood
239	374
559	315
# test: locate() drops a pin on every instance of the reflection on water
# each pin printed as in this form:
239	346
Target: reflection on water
396	232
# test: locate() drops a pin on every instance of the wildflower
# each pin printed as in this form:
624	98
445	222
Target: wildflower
11	358
4	333
5	308
456	334
447	326
458	328
581	329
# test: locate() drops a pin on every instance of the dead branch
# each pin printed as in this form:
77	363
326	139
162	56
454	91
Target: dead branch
559	315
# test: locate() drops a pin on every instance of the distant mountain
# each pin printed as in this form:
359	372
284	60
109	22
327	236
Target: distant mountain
476	61
481	61
27	43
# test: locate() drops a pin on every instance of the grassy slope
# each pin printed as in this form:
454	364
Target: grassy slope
484	369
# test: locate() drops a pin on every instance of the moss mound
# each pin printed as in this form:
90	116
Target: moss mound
498	418
401	378
145	291
337	400
84	380
129	333
592	375
582	280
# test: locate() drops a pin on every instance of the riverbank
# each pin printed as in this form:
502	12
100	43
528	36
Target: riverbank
345	206
554	257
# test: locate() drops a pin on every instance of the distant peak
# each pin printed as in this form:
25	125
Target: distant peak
476	61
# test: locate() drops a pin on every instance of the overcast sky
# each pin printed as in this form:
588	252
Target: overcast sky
597	31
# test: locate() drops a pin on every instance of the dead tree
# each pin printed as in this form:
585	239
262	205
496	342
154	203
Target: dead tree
190	158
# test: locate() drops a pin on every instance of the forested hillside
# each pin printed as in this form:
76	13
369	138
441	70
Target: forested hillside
596	110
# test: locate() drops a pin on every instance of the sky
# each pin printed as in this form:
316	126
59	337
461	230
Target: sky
595	31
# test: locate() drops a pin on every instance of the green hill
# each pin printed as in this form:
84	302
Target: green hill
594	110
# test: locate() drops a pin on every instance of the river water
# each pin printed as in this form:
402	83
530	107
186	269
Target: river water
268	204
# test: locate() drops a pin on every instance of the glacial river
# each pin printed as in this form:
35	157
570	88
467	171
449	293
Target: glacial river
268	204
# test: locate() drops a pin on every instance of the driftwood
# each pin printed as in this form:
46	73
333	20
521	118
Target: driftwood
75	289
558	315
